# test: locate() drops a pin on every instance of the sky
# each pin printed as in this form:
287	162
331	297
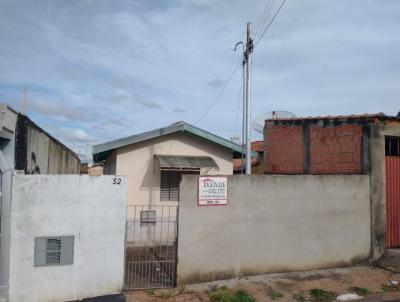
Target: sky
101	70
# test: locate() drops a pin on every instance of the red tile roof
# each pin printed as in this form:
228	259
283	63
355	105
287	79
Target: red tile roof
257	146
237	163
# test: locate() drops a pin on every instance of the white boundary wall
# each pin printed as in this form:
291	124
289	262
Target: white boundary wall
93	210
274	223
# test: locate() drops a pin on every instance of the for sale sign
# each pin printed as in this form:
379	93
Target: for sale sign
212	190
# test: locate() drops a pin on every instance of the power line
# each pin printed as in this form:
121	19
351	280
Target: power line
257	35
259	26
270	22
219	94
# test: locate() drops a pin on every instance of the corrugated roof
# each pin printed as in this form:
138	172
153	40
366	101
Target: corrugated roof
101	151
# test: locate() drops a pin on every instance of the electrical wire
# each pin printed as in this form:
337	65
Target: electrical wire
219	93
257	35
264	16
270	23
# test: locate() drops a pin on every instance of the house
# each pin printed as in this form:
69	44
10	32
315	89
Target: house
257	160
28	148
25	148
155	160
366	144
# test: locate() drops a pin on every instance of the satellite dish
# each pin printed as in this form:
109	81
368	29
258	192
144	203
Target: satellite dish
90	164
258	123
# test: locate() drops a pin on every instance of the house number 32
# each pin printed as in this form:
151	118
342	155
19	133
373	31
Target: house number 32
116	181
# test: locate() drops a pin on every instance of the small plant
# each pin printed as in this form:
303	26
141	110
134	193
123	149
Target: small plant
220	294
299	297
150	292
361	291
320	295
223	294
242	295
274	295
165	295
390	287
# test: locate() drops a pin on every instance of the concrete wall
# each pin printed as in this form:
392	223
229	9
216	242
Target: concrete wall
378	186
137	163
92	209
6	183
274	224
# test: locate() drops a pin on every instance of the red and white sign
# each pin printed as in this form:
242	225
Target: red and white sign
212	190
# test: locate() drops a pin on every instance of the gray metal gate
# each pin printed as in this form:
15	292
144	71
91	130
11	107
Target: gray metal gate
151	246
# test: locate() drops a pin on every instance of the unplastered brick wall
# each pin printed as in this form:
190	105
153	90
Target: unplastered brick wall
285	149
335	150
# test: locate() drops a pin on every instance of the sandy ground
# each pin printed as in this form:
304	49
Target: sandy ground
288	284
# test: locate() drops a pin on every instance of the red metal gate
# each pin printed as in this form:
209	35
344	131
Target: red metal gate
392	165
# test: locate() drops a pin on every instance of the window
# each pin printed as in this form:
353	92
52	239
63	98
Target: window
392	146
170	180
54	250
147	218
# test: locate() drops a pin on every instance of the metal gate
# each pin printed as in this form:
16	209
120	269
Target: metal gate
392	168
151	247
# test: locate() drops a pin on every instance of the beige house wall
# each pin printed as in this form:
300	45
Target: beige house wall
137	162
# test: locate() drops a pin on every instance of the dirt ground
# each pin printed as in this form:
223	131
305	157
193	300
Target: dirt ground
286	287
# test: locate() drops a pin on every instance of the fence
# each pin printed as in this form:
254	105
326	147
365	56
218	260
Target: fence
151	246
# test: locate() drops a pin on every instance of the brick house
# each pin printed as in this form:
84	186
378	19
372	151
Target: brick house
356	144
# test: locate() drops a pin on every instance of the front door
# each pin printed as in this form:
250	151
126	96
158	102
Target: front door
392	169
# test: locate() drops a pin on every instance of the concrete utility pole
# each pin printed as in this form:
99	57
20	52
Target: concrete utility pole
247	62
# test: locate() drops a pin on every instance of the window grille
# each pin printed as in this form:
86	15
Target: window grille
169	184
54	250
392	146
147	218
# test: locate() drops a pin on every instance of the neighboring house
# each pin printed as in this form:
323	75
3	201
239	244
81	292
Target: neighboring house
356	144
92	169
257	160
30	149
25	148
154	161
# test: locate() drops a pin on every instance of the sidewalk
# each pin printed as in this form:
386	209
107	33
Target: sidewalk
288	287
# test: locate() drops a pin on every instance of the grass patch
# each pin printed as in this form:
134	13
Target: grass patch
320	295
223	294
390	288
361	291
149	292
273	294
242	295
299	297
165	295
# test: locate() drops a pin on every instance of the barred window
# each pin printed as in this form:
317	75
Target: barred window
170	180
147	218
392	146
54	250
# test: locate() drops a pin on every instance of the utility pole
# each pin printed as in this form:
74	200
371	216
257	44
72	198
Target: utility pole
25	103
247	94
246	125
